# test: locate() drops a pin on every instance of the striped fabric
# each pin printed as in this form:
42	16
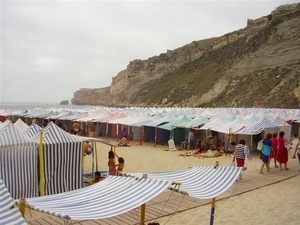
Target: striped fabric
18	162
203	182
33	130
62	160
8	215
110	197
257	128
10	135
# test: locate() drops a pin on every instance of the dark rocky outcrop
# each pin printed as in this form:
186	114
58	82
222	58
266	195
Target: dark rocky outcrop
260	62
65	102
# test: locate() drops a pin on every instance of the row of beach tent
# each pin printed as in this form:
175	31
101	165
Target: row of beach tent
28	172
161	124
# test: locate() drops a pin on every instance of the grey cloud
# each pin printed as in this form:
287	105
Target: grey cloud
50	49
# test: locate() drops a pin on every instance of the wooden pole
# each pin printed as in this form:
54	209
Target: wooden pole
213	203
141	134
143	208
41	158
22	206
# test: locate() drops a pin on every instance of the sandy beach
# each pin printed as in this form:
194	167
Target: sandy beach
273	204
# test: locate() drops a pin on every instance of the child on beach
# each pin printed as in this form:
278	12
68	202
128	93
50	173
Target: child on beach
120	166
111	163
97	176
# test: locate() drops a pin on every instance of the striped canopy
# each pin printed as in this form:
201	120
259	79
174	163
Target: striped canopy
10	135
258	127
8	214
203	182
33	130
62	160
53	134
18	162
113	196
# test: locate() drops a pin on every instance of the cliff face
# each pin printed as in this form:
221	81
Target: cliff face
258	63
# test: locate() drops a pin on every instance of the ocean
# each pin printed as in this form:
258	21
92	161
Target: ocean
37	105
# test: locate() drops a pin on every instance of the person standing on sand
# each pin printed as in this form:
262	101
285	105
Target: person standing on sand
265	152
239	154
297	150
111	163
282	154
273	153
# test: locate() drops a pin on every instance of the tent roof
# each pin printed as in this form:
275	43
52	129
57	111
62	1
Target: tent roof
171	125
204	182
8	215
10	135
280	122
53	134
197	121
121	194
21	125
233	126
214	124
166	119
111	197
257	128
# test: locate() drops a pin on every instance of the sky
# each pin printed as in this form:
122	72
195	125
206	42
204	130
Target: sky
51	49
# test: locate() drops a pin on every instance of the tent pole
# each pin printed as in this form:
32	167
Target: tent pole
41	156
82	163
155	137
141	135
117	133
143	208
106	133
213	204
95	143
22	206
93	165
251	145
229	139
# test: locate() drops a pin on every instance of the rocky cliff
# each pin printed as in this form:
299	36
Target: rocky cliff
260	62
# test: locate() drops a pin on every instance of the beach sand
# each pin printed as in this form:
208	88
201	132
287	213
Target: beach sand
274	204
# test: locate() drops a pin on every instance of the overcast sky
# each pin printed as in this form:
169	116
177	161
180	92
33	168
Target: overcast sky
50	49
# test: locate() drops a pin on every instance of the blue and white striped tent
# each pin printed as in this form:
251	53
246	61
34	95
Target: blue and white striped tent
116	195
8	214
111	197
18	162
204	182
62	160
33	130
257	128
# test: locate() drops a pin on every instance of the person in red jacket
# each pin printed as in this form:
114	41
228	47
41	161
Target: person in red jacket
273	153
282	154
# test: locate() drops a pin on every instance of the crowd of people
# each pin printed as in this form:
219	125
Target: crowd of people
202	151
273	148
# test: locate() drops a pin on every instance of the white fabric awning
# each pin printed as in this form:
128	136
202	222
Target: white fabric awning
202	182
8	215
113	196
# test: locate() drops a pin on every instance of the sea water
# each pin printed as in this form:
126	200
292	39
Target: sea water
39	105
